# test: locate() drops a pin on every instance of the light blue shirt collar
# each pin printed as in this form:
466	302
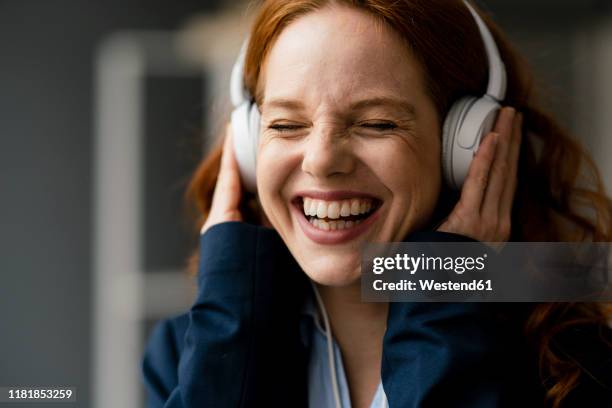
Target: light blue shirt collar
320	388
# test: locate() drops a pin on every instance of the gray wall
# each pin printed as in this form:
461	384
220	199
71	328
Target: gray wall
46	73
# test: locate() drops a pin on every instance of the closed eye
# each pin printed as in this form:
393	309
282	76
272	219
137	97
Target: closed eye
284	128
380	126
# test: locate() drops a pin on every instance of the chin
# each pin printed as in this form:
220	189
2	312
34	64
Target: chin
337	274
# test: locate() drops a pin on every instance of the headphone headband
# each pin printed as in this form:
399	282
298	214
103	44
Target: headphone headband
238	92
496	87
497	71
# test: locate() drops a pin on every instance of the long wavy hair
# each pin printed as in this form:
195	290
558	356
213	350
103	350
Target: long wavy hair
560	194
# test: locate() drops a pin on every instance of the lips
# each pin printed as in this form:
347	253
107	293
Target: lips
335	217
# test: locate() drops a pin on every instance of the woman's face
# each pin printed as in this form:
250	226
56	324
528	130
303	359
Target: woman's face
350	141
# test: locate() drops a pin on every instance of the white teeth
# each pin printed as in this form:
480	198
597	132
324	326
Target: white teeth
307	205
332	225
324	225
322	210
345	211
313	208
333	210
336	209
355	207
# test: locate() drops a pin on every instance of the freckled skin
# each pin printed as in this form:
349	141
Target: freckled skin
328	60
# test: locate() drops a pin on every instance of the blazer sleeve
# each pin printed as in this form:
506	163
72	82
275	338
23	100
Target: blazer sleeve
243	318
442	354
159	366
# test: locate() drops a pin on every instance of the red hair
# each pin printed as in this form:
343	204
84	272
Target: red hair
560	194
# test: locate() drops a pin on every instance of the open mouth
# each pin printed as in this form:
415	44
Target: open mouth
339	214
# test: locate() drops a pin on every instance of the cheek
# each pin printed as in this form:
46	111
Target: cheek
413	179
402	166
275	166
414	176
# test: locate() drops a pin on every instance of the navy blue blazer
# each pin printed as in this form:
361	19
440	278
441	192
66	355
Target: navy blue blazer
240	345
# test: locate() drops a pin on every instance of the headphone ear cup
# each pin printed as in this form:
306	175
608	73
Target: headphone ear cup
245	134
452	123
254	124
468	121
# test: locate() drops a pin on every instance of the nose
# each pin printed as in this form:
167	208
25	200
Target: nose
327	153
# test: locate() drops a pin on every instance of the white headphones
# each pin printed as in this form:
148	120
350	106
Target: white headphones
468	120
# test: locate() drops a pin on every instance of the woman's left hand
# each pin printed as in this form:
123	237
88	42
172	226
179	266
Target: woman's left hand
484	209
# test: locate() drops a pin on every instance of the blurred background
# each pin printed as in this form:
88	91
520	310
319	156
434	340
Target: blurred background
106	108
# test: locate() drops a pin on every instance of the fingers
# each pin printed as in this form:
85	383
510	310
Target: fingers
227	193
513	158
478	176
484	209
228	161
465	217
227	143
499	169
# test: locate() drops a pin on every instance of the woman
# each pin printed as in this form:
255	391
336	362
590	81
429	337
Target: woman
353	96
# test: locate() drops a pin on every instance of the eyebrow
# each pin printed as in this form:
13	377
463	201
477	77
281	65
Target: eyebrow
289	104
292	104
384	101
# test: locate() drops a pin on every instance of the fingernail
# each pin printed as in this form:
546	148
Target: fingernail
512	112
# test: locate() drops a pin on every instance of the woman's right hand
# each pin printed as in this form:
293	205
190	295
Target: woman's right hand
228	190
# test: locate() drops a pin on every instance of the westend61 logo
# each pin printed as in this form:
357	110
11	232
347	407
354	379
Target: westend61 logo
412	264
479	272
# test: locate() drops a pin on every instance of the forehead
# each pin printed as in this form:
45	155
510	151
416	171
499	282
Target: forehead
339	53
